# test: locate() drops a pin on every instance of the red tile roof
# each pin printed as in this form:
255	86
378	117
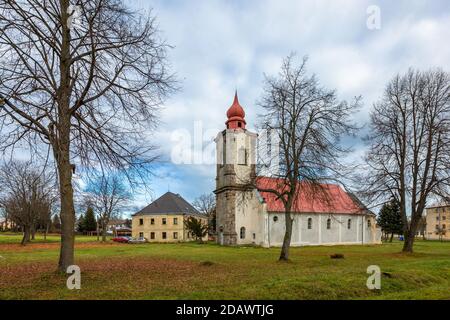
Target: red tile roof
328	198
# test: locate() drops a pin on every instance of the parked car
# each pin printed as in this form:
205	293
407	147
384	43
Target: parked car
121	239
137	240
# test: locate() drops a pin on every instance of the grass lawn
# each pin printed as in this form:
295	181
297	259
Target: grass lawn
208	271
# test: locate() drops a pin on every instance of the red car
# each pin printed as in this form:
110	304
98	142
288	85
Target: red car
121	239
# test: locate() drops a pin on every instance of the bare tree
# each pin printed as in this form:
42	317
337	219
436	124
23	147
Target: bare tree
409	156
108	195
206	204
27	195
308	122
84	79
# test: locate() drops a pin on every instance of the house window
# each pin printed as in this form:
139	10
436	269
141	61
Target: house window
152	221
164	221
443	227
164	235
175	220
443	217
152	235
369	223
141	222
437	217
328	223
141	234
254	236
175	235
437	227
243	233
349	224
309	223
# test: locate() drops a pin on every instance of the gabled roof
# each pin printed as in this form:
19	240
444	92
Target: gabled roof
169	203
321	198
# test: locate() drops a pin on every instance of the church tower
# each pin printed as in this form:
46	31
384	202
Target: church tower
236	159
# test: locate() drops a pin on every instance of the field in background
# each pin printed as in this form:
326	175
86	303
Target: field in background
208	271
8	237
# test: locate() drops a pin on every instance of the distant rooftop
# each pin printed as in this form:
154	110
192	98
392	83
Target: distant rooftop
169	203
439	205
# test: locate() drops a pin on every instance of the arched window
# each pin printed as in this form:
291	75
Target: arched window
369	223
275	219
309	223
243	233
349	224
328	223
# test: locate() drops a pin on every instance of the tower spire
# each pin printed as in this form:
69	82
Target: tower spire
236	115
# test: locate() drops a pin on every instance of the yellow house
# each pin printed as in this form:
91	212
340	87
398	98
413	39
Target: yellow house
438	222
163	219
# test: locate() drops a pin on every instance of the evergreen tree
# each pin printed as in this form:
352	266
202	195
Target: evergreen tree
90	224
197	228
390	219
81	224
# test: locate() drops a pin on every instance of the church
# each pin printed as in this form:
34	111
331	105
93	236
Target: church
245	215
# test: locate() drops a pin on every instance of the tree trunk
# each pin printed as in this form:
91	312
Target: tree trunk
392	237
61	147
33	232
98	230
103	232
66	257
410	234
284	255
26	235
409	241
46	231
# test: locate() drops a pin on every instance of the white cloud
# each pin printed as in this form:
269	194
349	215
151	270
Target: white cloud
224	45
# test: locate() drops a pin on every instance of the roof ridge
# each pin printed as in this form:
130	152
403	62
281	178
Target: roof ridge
169	203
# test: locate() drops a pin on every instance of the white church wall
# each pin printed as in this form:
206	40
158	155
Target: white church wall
319	234
309	236
329	235
249	215
349	233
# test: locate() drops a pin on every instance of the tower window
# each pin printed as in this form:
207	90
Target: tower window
275	219
239	124
369	223
242	156
242	233
328	223
309	223
224	148
349	224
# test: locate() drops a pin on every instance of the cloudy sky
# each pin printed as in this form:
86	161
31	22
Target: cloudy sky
220	46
